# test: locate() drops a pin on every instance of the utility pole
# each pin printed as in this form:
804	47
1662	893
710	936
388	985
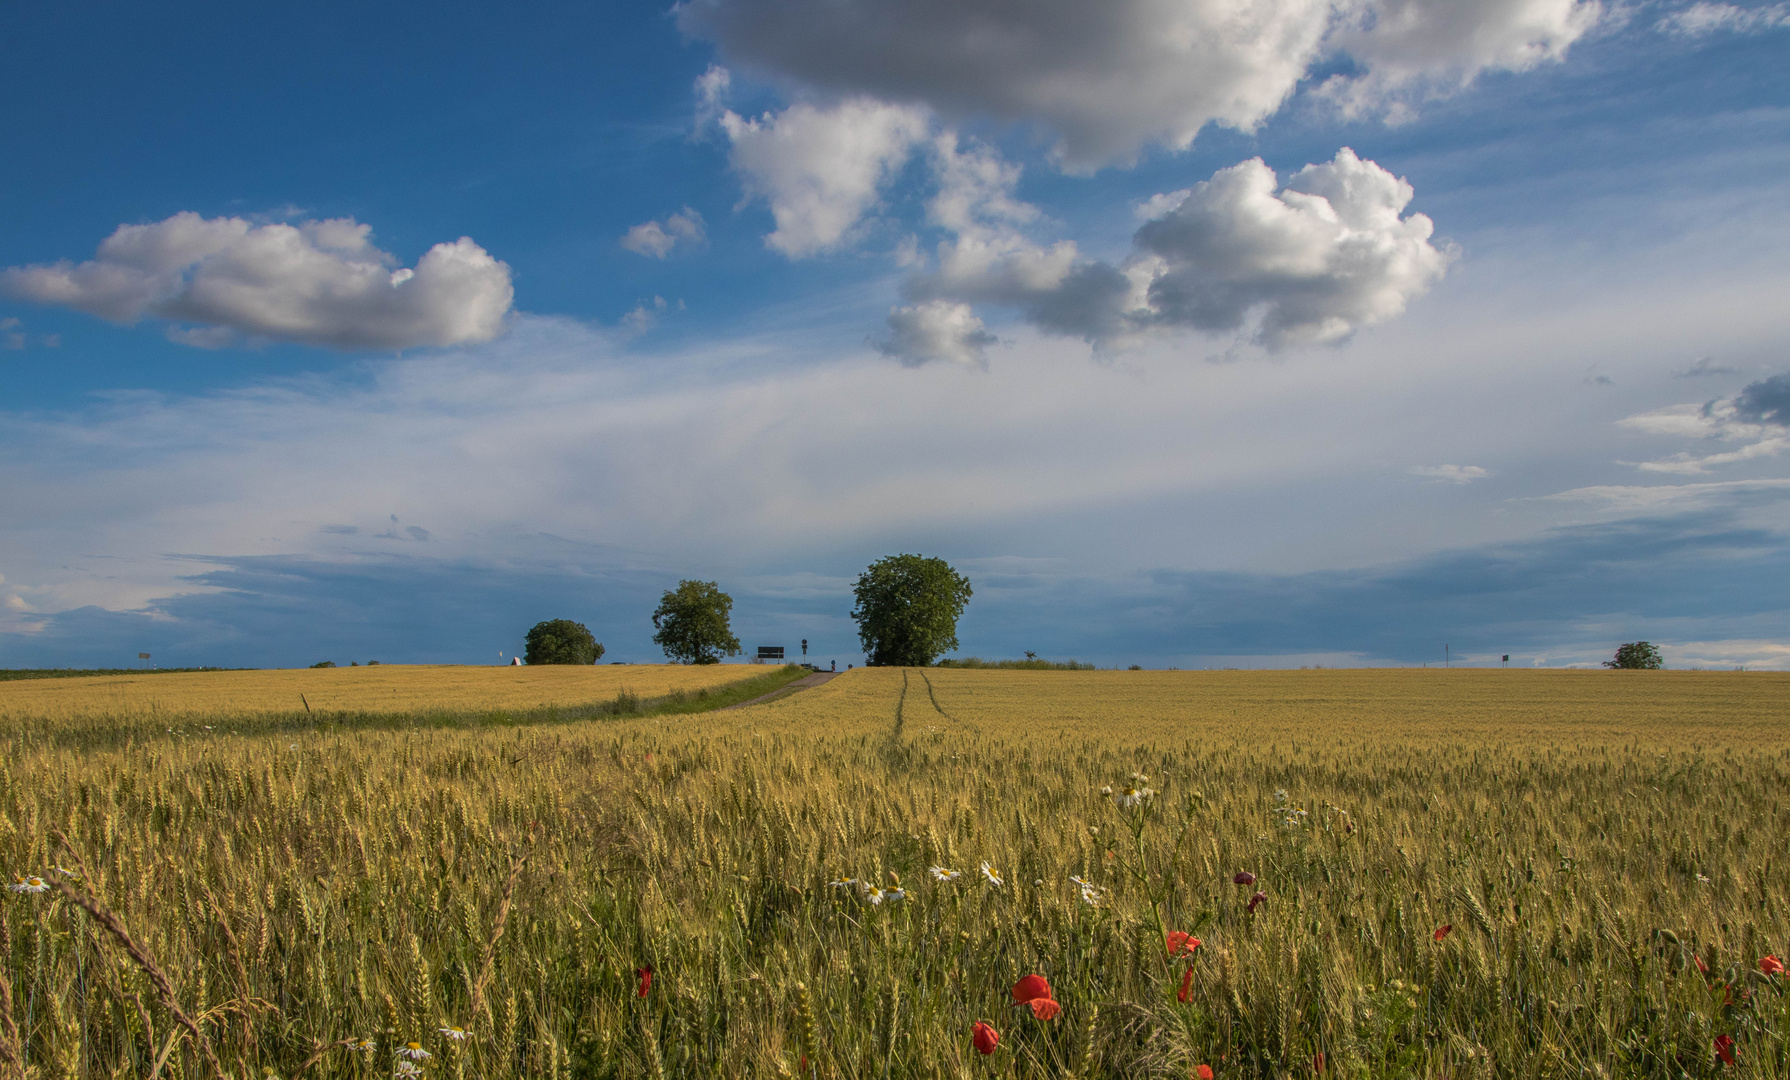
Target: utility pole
1447	661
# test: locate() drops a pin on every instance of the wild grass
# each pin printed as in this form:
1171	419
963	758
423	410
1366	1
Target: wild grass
306	892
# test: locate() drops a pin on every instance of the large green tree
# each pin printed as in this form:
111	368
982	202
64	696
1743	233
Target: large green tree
907	609
692	623
1637	655
561	641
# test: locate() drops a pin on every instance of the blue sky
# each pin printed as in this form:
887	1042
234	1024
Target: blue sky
1361	330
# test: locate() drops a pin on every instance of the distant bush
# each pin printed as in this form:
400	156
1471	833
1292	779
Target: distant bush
977	663
324	663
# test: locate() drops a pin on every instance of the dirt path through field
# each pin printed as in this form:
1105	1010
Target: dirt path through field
795	687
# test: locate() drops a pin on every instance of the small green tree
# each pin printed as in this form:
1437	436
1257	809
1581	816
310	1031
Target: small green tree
561	641
1637	655
907	609
691	623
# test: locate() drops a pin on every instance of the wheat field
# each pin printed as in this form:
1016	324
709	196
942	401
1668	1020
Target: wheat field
1461	874
381	689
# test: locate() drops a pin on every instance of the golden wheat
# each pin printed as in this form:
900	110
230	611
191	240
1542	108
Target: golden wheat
389	689
1610	889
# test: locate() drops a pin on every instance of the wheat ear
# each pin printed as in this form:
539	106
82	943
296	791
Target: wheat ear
489	959
164	989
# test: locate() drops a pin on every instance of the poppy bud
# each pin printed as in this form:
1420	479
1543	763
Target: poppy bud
985	1037
1256	899
1243	877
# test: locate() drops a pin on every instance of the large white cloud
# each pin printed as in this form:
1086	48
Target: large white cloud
1308	263
821	168
318	283
1431	45
1326	254
1111	78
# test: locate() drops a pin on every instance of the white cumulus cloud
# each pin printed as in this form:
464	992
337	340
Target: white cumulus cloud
1306	263
936	330
820	168
317	283
1111	78
1318	258
1430	46
656	239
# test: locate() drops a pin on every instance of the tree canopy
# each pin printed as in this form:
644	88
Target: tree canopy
907	609
1637	655
692	625
561	641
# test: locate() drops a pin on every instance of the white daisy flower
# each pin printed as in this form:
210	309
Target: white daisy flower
873	894
844	883
360	1044
455	1033
22	883
64	871
1090	892
414	1051
1139	778
939	873
1133	794
991	875
406	1070
894	894
1107	790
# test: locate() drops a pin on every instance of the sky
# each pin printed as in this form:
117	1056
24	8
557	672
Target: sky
1195	333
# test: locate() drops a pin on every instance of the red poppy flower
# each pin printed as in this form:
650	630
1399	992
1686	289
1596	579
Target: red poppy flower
1204	1072
1442	931
1317	1062
1026	990
985	1037
1181	943
1771	965
1243	877
1256	899
645	975
1045	1008
1701	966
1724	1048
1186	990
